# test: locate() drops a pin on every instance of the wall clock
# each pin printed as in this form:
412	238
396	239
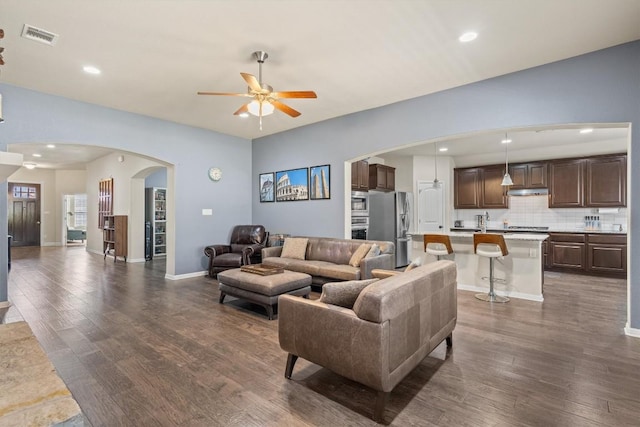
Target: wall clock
215	174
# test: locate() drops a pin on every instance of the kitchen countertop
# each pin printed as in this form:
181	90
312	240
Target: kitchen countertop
507	236
551	230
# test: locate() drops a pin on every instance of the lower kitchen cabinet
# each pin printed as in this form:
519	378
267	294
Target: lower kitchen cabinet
607	253
598	254
567	251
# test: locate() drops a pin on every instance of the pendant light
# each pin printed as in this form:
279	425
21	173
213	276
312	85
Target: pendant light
436	182
506	181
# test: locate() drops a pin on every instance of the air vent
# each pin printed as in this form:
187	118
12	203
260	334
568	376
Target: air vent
39	35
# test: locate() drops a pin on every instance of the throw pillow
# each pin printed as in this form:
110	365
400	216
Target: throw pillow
415	263
360	253
343	294
294	247
374	251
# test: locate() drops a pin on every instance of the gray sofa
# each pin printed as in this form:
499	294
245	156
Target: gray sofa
394	324
327	259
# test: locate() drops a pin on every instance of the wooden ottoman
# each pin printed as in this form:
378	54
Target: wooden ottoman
263	290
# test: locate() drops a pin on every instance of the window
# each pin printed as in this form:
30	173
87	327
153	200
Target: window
24	192
80	211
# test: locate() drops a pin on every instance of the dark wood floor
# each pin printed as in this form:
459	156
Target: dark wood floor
138	350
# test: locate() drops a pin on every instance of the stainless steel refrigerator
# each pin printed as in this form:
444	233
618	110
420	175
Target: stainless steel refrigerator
390	218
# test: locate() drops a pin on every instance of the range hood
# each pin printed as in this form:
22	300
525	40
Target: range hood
528	192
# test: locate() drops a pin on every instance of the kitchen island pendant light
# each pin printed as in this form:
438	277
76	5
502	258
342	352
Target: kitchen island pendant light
506	181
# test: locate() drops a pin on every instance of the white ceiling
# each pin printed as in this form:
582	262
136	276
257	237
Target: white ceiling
356	55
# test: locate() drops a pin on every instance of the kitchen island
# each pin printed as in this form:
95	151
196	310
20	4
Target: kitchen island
519	274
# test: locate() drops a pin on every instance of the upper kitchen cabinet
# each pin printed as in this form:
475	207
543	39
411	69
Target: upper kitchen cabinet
590	182
566	183
529	175
493	194
360	176
466	188
606	179
382	177
480	188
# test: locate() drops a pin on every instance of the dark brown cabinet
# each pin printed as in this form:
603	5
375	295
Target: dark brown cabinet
529	175
493	193
605	181
480	188
587	253
566	183
606	253
360	176
382	177
593	182
567	251
466	188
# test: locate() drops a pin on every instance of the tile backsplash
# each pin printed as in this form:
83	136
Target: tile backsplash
533	211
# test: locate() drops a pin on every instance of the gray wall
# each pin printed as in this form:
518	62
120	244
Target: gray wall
603	86
157	179
36	117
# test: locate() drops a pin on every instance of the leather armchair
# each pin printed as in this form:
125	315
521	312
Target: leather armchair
244	248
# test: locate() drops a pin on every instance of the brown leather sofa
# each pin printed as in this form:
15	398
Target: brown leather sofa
394	324
244	247
327	259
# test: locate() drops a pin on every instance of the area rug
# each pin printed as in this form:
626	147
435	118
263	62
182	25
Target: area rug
31	392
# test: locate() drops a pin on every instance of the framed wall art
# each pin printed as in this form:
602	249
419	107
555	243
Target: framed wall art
292	185
320	182
266	187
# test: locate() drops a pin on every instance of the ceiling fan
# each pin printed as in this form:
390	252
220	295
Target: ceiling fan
265	100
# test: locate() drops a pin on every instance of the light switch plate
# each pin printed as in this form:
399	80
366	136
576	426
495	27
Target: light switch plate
207	211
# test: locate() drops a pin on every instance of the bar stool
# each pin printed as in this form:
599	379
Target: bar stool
437	244
491	246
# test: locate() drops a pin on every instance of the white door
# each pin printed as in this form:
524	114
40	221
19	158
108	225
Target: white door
430	207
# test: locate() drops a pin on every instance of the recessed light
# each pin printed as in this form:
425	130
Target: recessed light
243	115
29	165
37	155
506	141
586	130
90	69
444	149
468	36
51	146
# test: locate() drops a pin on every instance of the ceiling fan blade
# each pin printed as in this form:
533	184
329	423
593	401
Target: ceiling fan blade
295	94
285	108
224	93
243	109
252	82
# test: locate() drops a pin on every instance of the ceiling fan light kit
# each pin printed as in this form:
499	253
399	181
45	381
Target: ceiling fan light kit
265	101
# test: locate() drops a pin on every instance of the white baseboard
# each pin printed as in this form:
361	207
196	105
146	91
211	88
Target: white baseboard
185	276
5	304
136	259
94	251
51	244
632	332
529	297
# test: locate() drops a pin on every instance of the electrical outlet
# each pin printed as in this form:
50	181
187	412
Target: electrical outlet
533	253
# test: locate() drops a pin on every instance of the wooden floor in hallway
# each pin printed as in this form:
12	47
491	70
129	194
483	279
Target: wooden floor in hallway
136	349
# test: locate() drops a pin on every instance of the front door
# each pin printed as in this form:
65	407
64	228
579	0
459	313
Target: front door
24	214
